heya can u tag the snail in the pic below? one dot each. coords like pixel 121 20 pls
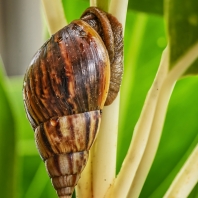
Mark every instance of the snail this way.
pixel 69 80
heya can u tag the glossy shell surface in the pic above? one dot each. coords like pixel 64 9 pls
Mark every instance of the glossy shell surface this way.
pixel 64 90
pixel 111 33
pixel 68 75
pixel 64 146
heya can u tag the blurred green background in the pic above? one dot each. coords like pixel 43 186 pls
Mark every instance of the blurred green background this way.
pixel 22 172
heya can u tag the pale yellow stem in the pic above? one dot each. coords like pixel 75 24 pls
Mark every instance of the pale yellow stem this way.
pixel 84 187
pixel 118 8
pixel 156 129
pixel 93 2
pixel 104 158
pixel 186 179
pixel 105 147
pixel 54 15
pixel 131 162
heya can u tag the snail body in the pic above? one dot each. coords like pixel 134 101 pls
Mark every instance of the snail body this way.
pixel 65 89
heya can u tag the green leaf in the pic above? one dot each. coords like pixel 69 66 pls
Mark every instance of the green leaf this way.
pixel 182 19
pixel 194 193
pixel 7 141
pixel 149 6
pixel 74 9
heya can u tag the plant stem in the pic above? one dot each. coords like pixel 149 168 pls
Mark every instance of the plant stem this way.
pixel 105 147
pixel 54 15
pixel 104 158
pixel 186 179
pixel 153 140
pixel 100 4
pixel 84 186
pixel 156 129
pixel 141 132
pixel 102 164
pixel 118 8
pixel 92 183
pixel 160 190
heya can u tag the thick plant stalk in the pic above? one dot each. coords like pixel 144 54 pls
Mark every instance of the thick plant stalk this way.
pixel 186 179
pixel 93 2
pixel 87 186
pixel 84 186
pixel 131 162
pixel 54 15
pixel 100 3
pixel 105 147
pixel 156 129
pixel 118 8
pixel 103 157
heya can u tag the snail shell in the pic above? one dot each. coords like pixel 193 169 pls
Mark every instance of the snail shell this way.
pixel 111 32
pixel 64 91
pixel 64 144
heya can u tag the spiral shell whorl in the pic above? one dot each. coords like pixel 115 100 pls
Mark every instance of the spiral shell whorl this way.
pixel 110 30
pixel 65 171
pixel 64 147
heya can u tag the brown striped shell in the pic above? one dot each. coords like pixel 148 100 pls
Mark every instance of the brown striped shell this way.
pixel 110 31
pixel 64 91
